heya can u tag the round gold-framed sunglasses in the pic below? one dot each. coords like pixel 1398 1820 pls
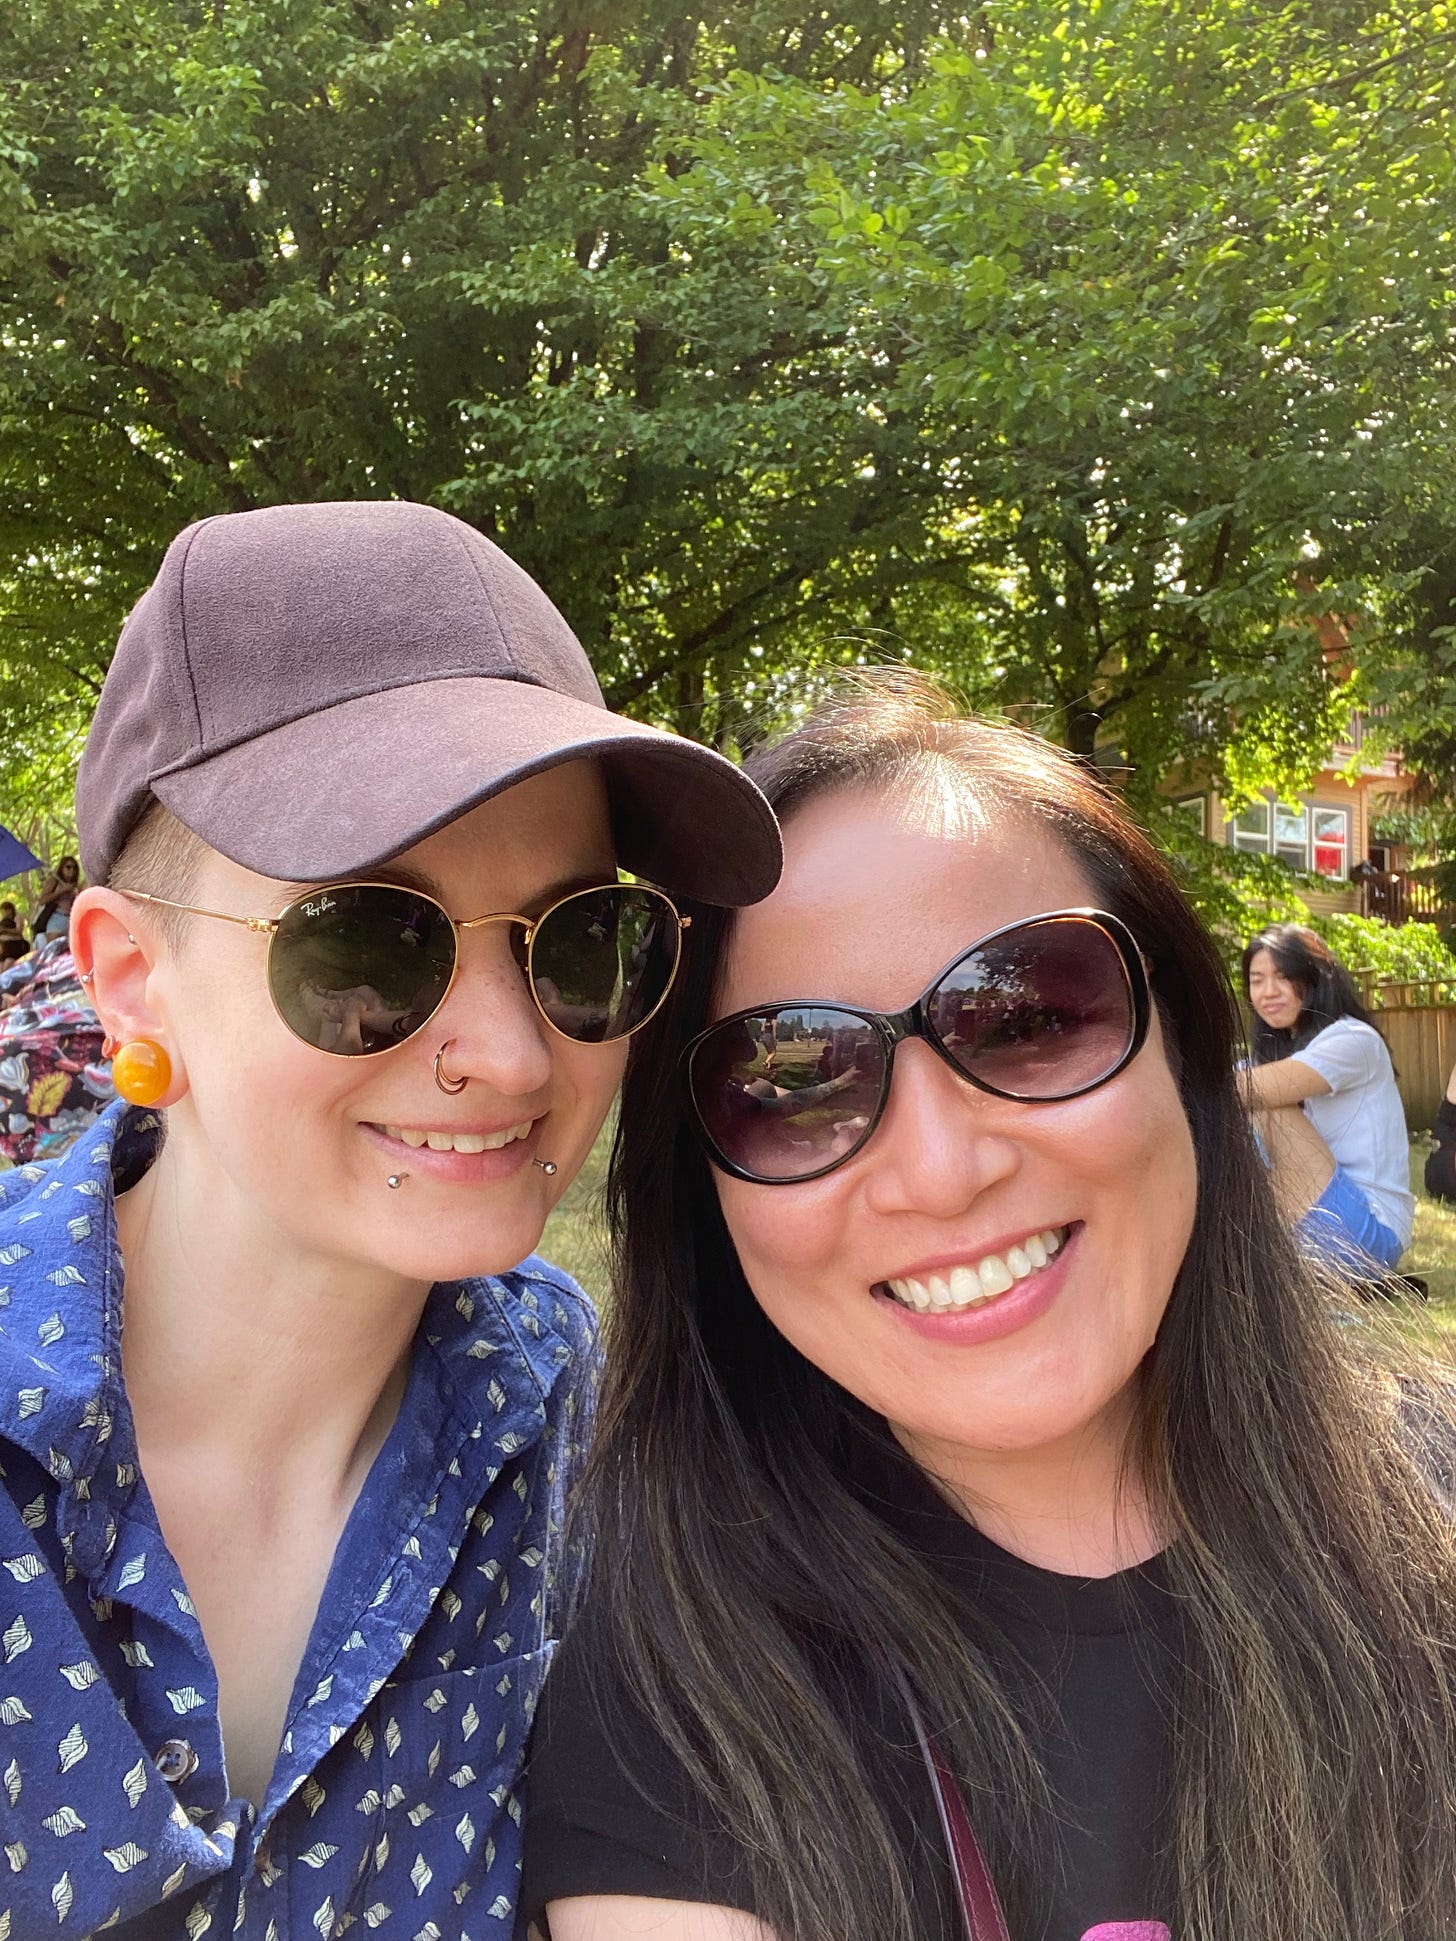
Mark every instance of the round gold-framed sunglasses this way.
pixel 357 968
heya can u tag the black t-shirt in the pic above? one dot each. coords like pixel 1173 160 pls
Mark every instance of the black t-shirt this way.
pixel 1089 1667
pixel 1441 1164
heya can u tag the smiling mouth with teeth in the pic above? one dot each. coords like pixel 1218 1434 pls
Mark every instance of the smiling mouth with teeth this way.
pixel 971 1285
pixel 459 1141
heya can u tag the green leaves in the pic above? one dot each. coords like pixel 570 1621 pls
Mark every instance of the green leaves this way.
pixel 1097 356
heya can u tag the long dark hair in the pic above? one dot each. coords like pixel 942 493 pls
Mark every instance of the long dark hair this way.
pixel 1326 989
pixel 740 1578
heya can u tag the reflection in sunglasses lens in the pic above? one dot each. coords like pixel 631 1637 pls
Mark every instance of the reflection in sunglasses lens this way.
pixel 354 969
pixel 1040 1014
pixel 789 1091
pixel 602 962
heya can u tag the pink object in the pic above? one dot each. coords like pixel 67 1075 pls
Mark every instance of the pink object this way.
pixel 1129 1931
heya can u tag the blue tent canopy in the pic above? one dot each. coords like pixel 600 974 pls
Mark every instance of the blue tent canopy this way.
pixel 15 858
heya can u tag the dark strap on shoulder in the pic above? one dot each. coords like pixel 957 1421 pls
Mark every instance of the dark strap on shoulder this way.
pixel 980 1904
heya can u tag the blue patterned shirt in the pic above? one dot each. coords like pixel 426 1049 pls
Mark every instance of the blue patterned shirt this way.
pixel 391 1807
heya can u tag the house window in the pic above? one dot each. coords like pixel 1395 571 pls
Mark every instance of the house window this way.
pixel 1193 810
pixel 1297 833
pixel 1332 841
pixel 1291 834
pixel 1249 829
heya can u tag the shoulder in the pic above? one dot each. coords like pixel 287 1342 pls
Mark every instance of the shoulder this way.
pixel 1349 1047
pixel 1346 1031
pixel 550 1324
pixel 60 1305
pixel 546 1305
pixel 601 1760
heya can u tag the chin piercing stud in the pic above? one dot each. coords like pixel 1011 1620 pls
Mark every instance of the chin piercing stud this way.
pixel 396 1180
pixel 547 1166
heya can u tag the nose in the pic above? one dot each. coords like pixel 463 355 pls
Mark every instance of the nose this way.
pixel 496 1034
pixel 941 1143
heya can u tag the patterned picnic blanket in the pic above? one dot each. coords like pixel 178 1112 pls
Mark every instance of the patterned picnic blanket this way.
pixel 53 1078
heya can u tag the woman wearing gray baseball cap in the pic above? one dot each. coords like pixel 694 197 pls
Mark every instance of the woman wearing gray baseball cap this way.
pixel 283 1555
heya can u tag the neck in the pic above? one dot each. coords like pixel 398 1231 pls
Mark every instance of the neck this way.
pixel 241 1346
pixel 1078 1505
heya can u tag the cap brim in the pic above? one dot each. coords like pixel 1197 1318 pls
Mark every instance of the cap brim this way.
pixel 346 789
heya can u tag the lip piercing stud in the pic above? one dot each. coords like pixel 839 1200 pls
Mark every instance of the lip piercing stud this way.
pixel 546 1165
pixel 396 1179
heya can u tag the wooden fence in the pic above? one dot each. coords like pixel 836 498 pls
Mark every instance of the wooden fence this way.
pixel 1418 1022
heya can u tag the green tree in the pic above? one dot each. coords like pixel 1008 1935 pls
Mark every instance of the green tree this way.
pixel 1081 350
pixel 304 249
pixel 1168 290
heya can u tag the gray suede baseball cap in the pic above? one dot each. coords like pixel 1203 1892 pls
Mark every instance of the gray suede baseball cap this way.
pixel 314 688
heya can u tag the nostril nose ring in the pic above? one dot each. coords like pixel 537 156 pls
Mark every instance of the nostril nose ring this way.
pixel 450 1085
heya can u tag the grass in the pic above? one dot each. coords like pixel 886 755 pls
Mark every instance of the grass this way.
pixel 1432 1252
pixel 575 1236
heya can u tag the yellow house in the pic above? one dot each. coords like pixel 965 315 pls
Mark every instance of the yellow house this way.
pixel 1326 831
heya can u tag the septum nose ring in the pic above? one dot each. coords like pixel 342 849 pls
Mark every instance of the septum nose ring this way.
pixel 450 1085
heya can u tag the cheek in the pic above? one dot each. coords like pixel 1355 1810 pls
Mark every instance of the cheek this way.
pixel 781 1233
pixel 1157 1168
pixel 261 1095
pixel 587 1079
pixel 230 1034
pixel 793 1245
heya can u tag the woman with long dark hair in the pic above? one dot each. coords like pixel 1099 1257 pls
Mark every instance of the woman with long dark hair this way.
pixel 57 893
pixel 980 1470
pixel 1323 1094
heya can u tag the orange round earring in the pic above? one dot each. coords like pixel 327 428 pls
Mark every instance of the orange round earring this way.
pixel 141 1071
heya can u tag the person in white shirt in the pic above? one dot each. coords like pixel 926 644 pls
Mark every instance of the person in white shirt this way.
pixel 1322 1092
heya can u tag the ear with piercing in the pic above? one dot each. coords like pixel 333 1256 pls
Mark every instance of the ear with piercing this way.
pixel 88 977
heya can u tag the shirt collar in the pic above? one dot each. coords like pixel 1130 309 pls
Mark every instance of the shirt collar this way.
pixel 60 1296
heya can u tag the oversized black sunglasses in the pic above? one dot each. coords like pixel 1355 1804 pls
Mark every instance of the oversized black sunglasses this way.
pixel 356 968
pixel 1042 1010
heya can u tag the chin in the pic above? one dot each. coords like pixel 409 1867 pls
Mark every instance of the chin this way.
pixel 430 1255
pixel 468 1262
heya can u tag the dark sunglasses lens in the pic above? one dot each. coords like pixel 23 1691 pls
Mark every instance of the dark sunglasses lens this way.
pixel 602 961
pixel 790 1091
pixel 1043 1013
pixel 357 967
